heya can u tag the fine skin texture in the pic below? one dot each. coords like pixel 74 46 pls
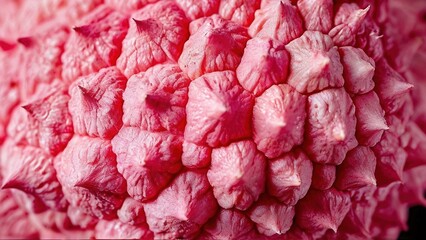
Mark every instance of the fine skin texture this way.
pixel 211 119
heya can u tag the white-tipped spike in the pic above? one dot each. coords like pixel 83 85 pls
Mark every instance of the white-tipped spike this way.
pixel 12 181
pixel 358 18
pixel 339 133
pixel 279 123
pixel 399 87
pixel 276 230
pixel 363 12
pixel 218 108
pixel 371 181
pixel 182 216
pixel 294 181
pixel 332 226
pixel 378 123
pixel 321 61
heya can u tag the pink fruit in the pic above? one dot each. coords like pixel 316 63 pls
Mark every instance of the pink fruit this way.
pixel 211 119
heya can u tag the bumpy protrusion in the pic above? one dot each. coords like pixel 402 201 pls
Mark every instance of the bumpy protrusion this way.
pixel 51 121
pixel 322 210
pixel 289 177
pixel 317 15
pixel 82 56
pixel 272 217
pixel 195 156
pixel 347 22
pixel 278 120
pixel 223 42
pixel 358 70
pixel 391 87
pixel 357 170
pixel 229 224
pixel 315 63
pixel 89 176
pixel 30 170
pixel 237 175
pixel 182 208
pixel 156 34
pixel 331 126
pixel 146 160
pixel 371 122
pixel 278 20
pixel 263 64
pixel 239 11
pixel 219 110
pixel 96 103
pixel 155 100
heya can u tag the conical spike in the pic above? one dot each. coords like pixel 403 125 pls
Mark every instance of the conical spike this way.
pixel 10 183
pixel 86 30
pixel 399 87
pixel 339 131
pixel 83 90
pixel 26 41
pixel 371 180
pixel 29 108
pixel 4 45
pixel 378 123
pixel 295 181
pixel 142 25
pixel 16 180
pixel 150 27
pixel 332 226
pixel 358 18
pixel 88 97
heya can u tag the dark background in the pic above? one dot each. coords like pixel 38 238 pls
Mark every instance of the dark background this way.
pixel 416 224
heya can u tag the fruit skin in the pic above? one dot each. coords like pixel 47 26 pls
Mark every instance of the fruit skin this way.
pixel 211 119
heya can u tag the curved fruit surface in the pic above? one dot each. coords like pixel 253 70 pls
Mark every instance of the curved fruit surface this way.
pixel 211 119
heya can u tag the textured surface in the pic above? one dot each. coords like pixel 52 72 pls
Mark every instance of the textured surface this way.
pixel 211 119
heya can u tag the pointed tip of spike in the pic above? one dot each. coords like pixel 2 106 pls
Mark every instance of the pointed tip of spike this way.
pixel 276 229
pixel 86 184
pixel 333 227
pixel 218 108
pixel 325 62
pixel 279 123
pixel 295 181
pixel 83 90
pixel 400 87
pixel 358 18
pixel 150 26
pixel 85 30
pixel 81 185
pixel 322 62
pixel 6 185
pixel 140 24
pixel 362 13
pixel 89 98
pixel 339 133
pixel 29 108
pixel 378 123
pixel 182 216
pixel 87 93
pixel 371 180
pixel 136 21
pixel 26 41
pixel 365 10
pixel 5 45
pixel 10 183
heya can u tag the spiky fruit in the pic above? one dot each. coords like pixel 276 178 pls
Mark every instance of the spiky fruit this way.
pixel 211 119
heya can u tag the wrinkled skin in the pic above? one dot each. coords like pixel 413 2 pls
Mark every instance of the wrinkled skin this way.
pixel 211 119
